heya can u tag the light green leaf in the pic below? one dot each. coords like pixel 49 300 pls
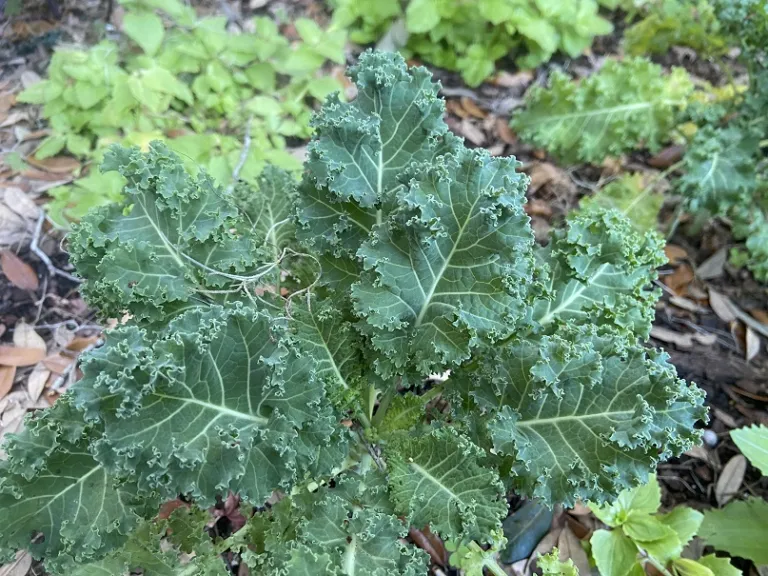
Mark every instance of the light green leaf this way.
pixel 422 16
pixel 645 528
pixel 688 567
pixel 634 197
pixel 436 479
pixel 40 92
pixel 551 565
pixel 146 29
pixel 614 553
pixel 753 443
pixel 624 105
pixel 51 146
pixel 644 499
pixel 78 145
pixel 719 566
pixel 741 529
pixel 685 522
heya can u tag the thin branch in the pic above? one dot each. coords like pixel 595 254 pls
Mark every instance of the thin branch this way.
pixel 35 247
pixel 243 156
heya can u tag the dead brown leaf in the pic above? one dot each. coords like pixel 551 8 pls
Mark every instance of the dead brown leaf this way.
pixel 730 479
pixel 58 363
pixel 666 157
pixel 6 101
pixel 682 341
pixel 455 108
pixel 18 356
pixel 675 253
pixel 7 374
pixel 679 279
pixel 19 566
pixel 542 173
pixel 752 344
pixel 25 336
pixel 504 132
pixel 760 315
pixel 79 343
pixel 57 164
pixel 724 417
pixel 713 266
pixel 472 108
pixel 18 202
pixel 18 272
pixel 36 382
pixel 519 80
pixel 685 304
pixel 721 306
pixel 537 207
pixel 569 546
pixel 471 132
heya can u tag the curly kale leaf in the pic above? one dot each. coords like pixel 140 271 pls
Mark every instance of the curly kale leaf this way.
pixel 171 239
pixel 361 148
pixel 65 505
pixel 437 481
pixel 582 416
pixel 348 529
pixel 217 402
pixel 449 267
pixel 597 271
pixel 623 106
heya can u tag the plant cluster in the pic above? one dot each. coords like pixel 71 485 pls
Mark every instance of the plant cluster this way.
pixel 192 83
pixel 469 36
pixel 624 105
pixel 278 344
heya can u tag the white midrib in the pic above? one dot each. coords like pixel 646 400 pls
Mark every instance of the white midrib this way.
pixel 603 111
pixel 556 419
pixel 549 316
pixel 350 556
pixel 169 248
pixel 217 408
pixel 434 480
pixel 55 497
pixel 330 356
pixel 446 263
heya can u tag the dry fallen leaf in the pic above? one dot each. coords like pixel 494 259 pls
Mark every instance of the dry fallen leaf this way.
pixel 679 279
pixel 721 306
pixel 18 356
pixel 752 344
pixel 471 132
pixel 473 109
pixel 18 272
pixel 675 253
pixel 682 341
pixel 58 363
pixel 18 201
pixel 570 547
pixel 730 479
pixel 685 304
pixel 7 374
pixel 24 336
pixel 712 267
pixel 19 566
pixel 36 382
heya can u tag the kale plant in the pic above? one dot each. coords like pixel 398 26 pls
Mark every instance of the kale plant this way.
pixel 279 342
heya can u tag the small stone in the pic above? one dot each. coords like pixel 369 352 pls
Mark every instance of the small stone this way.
pixel 710 438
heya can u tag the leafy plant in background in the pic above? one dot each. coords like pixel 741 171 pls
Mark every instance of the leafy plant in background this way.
pixel 668 23
pixel 625 105
pixel 724 164
pixel 741 527
pixel 470 36
pixel 267 356
pixel 639 535
pixel 633 195
pixel 193 83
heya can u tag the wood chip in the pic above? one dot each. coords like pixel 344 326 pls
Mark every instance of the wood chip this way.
pixel 18 272
pixel 7 375
pixel 569 546
pixel 721 306
pixel 752 344
pixel 730 479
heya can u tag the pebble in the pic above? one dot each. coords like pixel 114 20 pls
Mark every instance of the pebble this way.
pixel 710 438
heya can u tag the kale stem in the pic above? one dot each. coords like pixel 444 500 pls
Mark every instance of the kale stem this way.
pixel 384 404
